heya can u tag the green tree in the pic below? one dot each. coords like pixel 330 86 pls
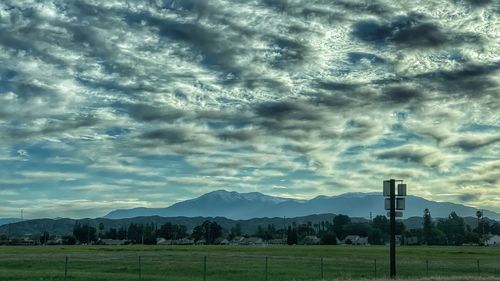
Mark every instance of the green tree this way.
pixel 428 227
pixel 122 233
pixel 101 229
pixel 112 233
pixel 358 228
pixel 135 232
pixel 339 221
pixel 44 238
pixel 209 230
pixel 292 236
pixel 84 234
pixel 375 236
pixel 328 238
pixel 235 231
pixel 382 223
pixel 454 229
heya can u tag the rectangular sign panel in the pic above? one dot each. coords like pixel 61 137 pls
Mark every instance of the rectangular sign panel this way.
pixel 387 204
pixel 398 214
pixel 387 188
pixel 402 189
pixel 400 203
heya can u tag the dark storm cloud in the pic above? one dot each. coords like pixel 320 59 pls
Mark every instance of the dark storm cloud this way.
pixel 412 31
pixel 238 135
pixel 401 95
pixel 423 155
pixel 467 197
pixel 174 135
pixel 475 142
pixel 147 113
pixel 356 57
pixel 52 127
pixel 474 3
pixel 289 110
pixel 472 80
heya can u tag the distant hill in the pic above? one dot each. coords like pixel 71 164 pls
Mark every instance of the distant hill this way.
pixel 236 205
pixel 65 226
pixel 8 220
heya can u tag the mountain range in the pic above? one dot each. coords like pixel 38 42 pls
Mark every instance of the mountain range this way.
pixel 8 220
pixel 241 206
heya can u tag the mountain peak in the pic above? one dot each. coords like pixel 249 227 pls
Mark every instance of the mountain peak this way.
pixel 235 205
pixel 236 196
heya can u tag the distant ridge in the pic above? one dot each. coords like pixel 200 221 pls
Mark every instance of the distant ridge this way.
pixel 8 220
pixel 234 205
pixel 64 226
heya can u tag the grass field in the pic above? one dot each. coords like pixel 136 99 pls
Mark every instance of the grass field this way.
pixel 244 262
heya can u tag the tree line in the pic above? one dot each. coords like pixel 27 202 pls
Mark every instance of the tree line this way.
pixel 443 231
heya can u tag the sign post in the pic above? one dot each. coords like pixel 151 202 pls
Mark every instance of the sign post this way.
pixel 393 203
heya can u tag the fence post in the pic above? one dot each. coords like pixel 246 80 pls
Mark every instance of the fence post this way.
pixel 427 267
pixel 375 265
pixel 478 271
pixel 265 271
pixel 66 269
pixel 322 276
pixel 204 268
pixel 140 269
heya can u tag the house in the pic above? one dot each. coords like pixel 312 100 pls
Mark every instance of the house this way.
pixel 55 241
pixel 247 241
pixel 252 241
pixel 311 240
pixel 114 242
pixel 355 240
pixel 276 242
pixel 350 239
pixel 237 240
pixel 222 242
pixel 200 242
pixel 493 240
pixel 27 241
pixel 412 240
pixel 163 241
pixel 361 241
pixel 183 241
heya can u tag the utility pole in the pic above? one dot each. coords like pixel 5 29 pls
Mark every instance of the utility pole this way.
pixel 393 203
pixel 392 199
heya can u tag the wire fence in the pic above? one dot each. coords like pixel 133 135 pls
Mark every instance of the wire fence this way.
pixel 216 267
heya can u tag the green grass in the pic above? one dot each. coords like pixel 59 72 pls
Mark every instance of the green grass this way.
pixel 242 263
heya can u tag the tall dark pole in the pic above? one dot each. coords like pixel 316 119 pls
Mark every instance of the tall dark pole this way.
pixel 392 199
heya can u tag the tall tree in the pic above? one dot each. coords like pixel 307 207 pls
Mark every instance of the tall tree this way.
pixel 454 229
pixel 339 221
pixel 428 227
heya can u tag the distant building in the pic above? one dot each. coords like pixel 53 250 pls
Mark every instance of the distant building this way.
pixel 247 241
pixel 200 242
pixel 412 240
pixel 222 241
pixel 311 240
pixel 55 241
pixel 183 241
pixel 115 242
pixel 355 240
pixel 276 242
pixel 493 240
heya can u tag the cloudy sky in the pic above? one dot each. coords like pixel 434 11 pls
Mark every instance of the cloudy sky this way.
pixel 120 104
